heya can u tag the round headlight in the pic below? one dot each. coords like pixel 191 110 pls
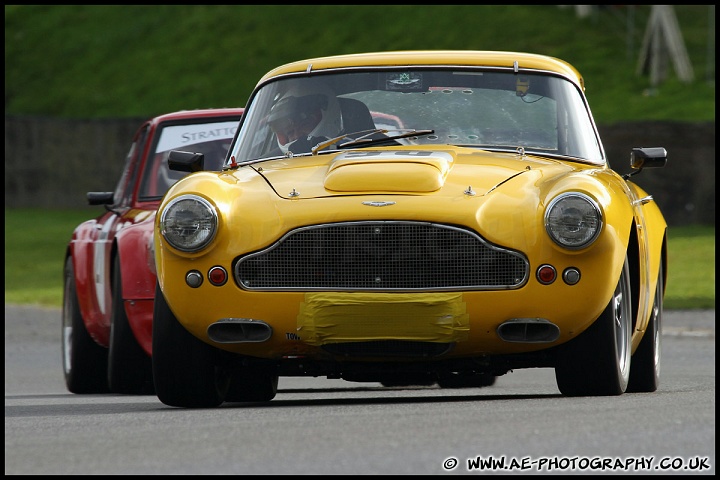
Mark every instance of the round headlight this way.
pixel 573 220
pixel 189 223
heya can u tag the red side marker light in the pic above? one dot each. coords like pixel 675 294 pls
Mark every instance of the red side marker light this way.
pixel 546 274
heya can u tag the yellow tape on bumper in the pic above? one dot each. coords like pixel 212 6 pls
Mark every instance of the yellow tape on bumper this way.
pixel 354 317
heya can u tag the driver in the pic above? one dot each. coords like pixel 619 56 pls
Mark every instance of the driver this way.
pixel 305 115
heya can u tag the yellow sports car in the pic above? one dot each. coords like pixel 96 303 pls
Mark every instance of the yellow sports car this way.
pixel 479 231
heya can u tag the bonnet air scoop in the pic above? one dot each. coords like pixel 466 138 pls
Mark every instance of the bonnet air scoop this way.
pixel 390 171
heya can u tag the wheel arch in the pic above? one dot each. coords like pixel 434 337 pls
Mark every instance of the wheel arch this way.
pixel 664 260
pixel 634 260
pixel 132 250
pixel 133 246
pixel 633 253
pixel 136 303
pixel 80 257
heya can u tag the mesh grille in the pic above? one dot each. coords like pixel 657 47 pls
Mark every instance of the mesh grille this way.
pixel 382 256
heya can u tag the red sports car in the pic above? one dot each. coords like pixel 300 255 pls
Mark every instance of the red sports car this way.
pixel 109 278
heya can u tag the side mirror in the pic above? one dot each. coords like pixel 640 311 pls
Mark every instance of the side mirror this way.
pixel 650 157
pixel 100 198
pixel 186 161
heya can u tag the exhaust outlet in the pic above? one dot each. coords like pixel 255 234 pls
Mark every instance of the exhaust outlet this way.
pixel 528 330
pixel 239 330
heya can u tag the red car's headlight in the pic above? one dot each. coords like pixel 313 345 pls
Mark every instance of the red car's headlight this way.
pixel 189 223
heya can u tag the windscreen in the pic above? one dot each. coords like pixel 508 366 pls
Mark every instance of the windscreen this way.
pixel 497 110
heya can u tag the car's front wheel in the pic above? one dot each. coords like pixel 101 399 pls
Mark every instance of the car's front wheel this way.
pixel 129 367
pixel 253 384
pixel 597 362
pixel 84 361
pixel 186 371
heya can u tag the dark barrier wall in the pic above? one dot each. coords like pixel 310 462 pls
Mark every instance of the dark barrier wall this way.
pixel 53 163
pixel 685 188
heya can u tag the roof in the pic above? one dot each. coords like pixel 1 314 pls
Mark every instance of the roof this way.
pixel 199 113
pixel 528 61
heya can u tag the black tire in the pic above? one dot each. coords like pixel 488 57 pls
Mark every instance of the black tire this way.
pixel 129 367
pixel 252 384
pixel 84 361
pixel 461 380
pixel 597 362
pixel 186 371
pixel 645 371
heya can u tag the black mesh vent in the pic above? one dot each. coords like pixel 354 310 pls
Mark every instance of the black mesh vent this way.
pixel 382 256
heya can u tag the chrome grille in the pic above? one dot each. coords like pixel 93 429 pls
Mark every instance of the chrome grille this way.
pixel 382 256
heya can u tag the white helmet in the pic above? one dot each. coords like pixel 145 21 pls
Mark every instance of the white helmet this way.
pixel 305 96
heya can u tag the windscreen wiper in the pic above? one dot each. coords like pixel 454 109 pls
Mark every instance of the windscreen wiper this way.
pixel 364 139
pixel 362 134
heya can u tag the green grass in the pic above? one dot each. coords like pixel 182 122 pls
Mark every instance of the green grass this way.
pixel 93 61
pixel 691 268
pixel 35 242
